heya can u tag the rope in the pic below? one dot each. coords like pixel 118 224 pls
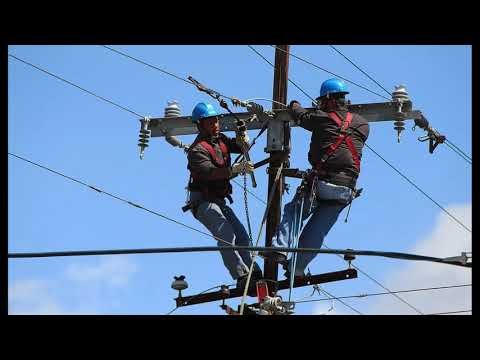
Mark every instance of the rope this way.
pixel 78 87
pixel 298 226
pixel 270 197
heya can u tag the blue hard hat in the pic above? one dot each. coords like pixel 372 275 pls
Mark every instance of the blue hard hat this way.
pixel 202 110
pixel 333 86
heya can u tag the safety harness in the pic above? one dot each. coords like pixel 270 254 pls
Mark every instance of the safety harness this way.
pixel 212 189
pixel 344 135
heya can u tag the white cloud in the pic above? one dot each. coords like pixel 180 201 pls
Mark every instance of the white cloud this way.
pixel 447 238
pixel 32 297
pixel 112 271
pixel 37 297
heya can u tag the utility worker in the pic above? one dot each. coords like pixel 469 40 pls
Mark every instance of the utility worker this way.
pixel 338 137
pixel 210 171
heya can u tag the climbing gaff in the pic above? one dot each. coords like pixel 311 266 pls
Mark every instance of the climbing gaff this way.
pixel 240 124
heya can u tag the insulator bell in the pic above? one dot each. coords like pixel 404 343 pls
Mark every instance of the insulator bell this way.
pixel 179 283
pixel 172 109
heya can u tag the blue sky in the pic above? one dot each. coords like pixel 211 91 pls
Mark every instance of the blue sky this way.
pixel 67 130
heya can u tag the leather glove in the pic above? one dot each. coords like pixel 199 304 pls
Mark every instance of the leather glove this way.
pixel 293 104
pixel 242 167
pixel 254 108
pixel 242 139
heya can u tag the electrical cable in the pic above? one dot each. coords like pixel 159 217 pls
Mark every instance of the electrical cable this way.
pixel 351 62
pixel 291 81
pixel 79 87
pixel 119 198
pixel 318 67
pixel 156 68
pixel 459 152
pixel 451 312
pixel 387 293
pixel 419 189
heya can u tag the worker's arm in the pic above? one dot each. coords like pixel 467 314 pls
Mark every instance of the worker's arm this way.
pixel 304 118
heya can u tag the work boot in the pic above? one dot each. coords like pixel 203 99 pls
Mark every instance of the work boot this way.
pixel 252 287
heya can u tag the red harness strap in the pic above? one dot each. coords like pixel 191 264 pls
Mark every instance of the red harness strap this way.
pixel 343 137
pixel 220 162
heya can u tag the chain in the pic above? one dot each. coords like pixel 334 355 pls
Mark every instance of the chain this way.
pixel 246 207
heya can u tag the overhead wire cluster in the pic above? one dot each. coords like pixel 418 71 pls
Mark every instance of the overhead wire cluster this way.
pixel 451 145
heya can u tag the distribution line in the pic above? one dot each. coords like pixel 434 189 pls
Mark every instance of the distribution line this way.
pixel 119 198
pixel 341 77
pixel 419 189
pixel 343 302
pixel 387 293
pixel 298 87
pixel 406 178
pixel 351 62
pixel 383 286
pixel 78 87
pixel 451 312
pixel 156 68
pixel 448 143
pixel 458 152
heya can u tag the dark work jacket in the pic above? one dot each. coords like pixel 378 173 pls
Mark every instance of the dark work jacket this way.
pixel 340 166
pixel 202 164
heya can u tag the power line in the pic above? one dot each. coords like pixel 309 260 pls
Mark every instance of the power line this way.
pixel 451 312
pixel 394 255
pixel 145 63
pixel 75 85
pixel 341 77
pixel 419 189
pixel 351 62
pixel 251 193
pixel 156 68
pixel 119 198
pixel 459 152
pixel 383 286
pixel 393 167
pixel 293 83
pixel 343 302
pixel 387 293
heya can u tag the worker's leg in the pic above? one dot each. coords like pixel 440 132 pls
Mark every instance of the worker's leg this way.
pixel 288 227
pixel 314 232
pixel 242 238
pixel 331 200
pixel 212 217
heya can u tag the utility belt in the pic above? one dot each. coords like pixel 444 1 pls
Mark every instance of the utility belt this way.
pixel 208 194
pixel 342 178
pixel 310 185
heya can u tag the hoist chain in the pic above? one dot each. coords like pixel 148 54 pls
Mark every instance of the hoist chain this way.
pixel 245 198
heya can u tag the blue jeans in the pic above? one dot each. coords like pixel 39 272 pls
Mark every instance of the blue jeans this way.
pixel 222 222
pixel 323 214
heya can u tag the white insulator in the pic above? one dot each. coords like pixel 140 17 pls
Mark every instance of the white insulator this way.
pixel 173 109
pixel 400 93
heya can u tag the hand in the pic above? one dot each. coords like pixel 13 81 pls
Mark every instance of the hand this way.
pixel 242 139
pixel 242 167
pixel 254 108
pixel 293 104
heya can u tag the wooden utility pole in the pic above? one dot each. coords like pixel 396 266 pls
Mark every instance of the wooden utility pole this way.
pixel 280 82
